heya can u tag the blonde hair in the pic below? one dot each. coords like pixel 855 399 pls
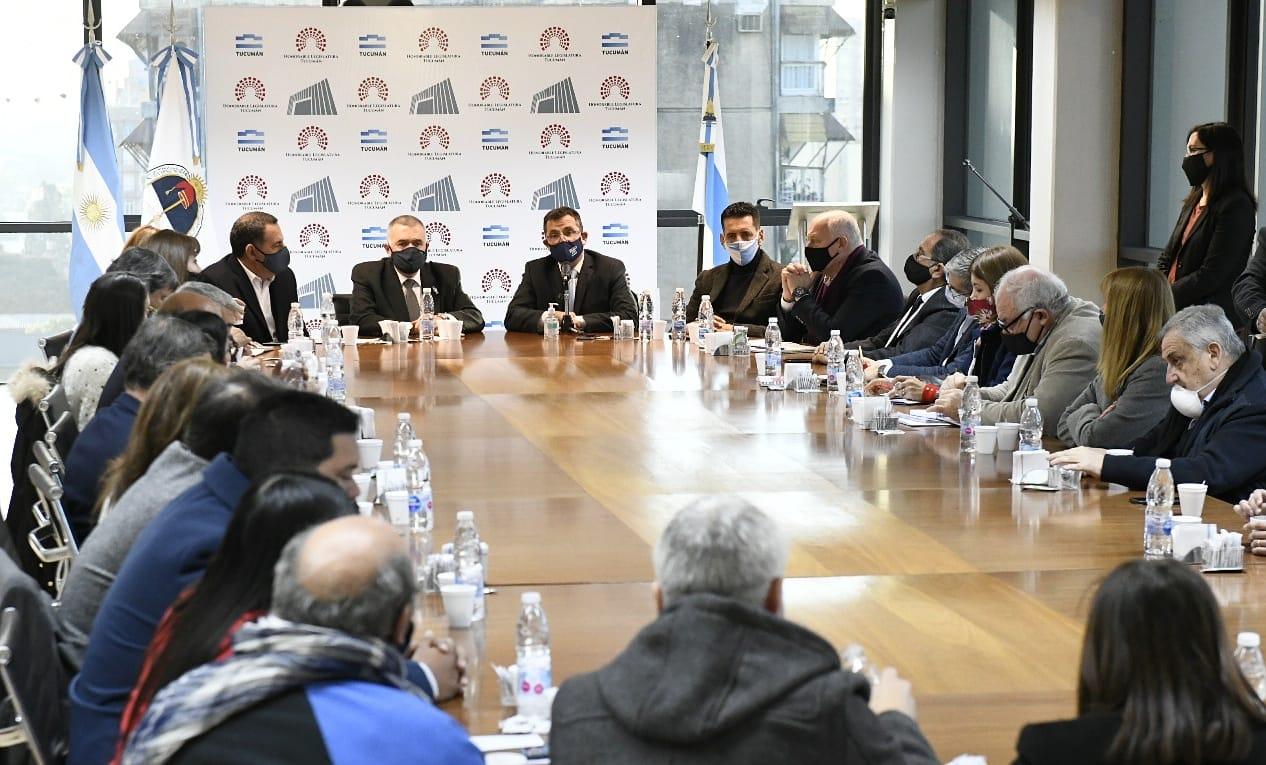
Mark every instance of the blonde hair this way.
pixel 161 419
pixel 140 236
pixel 1139 303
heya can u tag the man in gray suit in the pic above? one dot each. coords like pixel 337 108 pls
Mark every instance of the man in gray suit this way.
pixel 743 291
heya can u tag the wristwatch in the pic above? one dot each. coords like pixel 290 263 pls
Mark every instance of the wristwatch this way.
pixel 799 293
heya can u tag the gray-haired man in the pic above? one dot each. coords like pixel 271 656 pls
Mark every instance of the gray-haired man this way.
pixel 721 677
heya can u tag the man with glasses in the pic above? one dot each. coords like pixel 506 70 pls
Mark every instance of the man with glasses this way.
pixel 587 288
pixel 1056 338
pixel 257 272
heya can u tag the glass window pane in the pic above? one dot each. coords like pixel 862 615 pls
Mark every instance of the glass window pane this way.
pixel 991 92
pixel 1188 88
pixel 42 307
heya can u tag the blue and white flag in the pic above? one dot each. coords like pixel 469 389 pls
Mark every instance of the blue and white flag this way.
pixel 96 224
pixel 711 196
pixel 175 194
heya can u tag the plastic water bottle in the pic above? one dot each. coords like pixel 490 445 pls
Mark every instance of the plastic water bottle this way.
pixel 327 307
pixel 535 675
pixel 336 379
pixel 854 377
pixel 417 481
pixel 294 322
pixel 679 314
pixel 426 327
pixel 404 434
pixel 470 559
pixel 834 361
pixel 739 347
pixel 705 317
pixel 1158 519
pixel 646 316
pixel 550 323
pixel 1030 427
pixel 1248 655
pixel 969 416
pixel 773 348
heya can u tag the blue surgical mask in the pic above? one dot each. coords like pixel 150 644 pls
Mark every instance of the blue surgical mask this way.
pixel 742 253
pixel 566 252
pixel 956 298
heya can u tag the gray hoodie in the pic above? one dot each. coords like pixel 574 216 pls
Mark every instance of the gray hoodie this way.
pixel 175 470
pixel 715 681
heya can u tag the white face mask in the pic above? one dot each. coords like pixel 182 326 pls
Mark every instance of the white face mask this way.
pixel 957 299
pixel 742 253
pixel 1189 403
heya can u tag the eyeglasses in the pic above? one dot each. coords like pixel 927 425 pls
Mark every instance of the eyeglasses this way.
pixel 1006 328
pixel 567 234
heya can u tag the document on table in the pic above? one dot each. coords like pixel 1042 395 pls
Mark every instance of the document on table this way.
pixel 922 418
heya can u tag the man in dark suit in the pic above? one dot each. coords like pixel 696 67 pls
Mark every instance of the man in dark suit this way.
pixel 390 289
pixel 745 290
pixel 844 286
pixel 931 308
pixel 257 272
pixel 586 287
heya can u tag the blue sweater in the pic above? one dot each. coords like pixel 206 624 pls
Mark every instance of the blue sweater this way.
pixel 104 438
pixel 169 555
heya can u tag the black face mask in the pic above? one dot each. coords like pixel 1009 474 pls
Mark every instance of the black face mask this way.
pixel 409 260
pixel 916 272
pixel 1019 343
pixel 819 257
pixel 1195 169
pixel 278 261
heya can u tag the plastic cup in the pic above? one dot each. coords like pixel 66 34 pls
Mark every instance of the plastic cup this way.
pixel 459 604
pixel 1191 498
pixel 692 331
pixel 398 507
pixel 403 330
pixel 350 333
pixel 1008 436
pixel 446 577
pixel 986 439
pixel 363 482
pixel 626 329
pixel 450 329
pixel 658 328
pixel 370 450
pixel 366 508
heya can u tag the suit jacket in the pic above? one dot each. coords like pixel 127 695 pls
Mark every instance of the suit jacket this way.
pixel 936 316
pixel 862 300
pixel 229 275
pixel 1249 290
pixel 1086 740
pixel 601 293
pixel 1225 446
pixel 758 304
pixel 949 354
pixel 377 295
pixel 1214 257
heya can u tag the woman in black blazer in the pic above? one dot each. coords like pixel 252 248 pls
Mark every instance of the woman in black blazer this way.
pixel 1159 683
pixel 1214 233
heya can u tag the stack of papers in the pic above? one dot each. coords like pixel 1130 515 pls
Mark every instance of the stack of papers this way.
pixel 922 418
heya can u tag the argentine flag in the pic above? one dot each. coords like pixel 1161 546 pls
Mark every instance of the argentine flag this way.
pixel 96 224
pixel 711 196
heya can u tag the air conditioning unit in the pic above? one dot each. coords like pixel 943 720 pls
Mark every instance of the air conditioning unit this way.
pixel 749 22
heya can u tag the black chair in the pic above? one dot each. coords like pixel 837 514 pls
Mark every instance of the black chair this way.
pixel 343 308
pixel 53 345
pixel 51 540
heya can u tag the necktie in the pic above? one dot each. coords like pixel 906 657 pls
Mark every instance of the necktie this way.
pixel 411 299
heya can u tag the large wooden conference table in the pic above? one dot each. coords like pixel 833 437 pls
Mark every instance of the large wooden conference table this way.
pixel 574 455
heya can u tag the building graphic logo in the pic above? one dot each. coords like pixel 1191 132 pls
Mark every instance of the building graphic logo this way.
pixel 559 193
pixel 311 292
pixel 555 134
pixel 314 232
pixel 252 184
pixel 437 99
pixel 496 279
pixel 248 44
pixel 433 36
pixel 559 98
pixel 438 232
pixel 556 38
pixel 316 99
pixel 614 182
pixel 317 197
pixel 310 135
pixel 250 140
pixel 250 86
pixel 310 36
pixel 440 196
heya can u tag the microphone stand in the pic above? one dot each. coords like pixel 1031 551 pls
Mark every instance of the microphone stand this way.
pixel 1015 217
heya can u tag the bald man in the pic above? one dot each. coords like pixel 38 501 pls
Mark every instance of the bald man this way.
pixel 334 686
pixel 844 286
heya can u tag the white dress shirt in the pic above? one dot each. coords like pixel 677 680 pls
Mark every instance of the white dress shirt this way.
pixel 908 319
pixel 262 294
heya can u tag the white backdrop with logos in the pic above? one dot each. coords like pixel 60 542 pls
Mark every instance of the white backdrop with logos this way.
pixel 475 120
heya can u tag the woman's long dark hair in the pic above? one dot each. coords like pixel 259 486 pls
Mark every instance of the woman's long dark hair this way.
pixel 239 578
pixel 1227 174
pixel 113 310
pixel 1156 654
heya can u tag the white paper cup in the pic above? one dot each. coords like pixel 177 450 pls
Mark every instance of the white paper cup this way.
pixel 363 482
pixel 657 329
pixel 692 331
pixel 304 344
pixel 366 508
pixel 459 604
pixel 446 577
pixel 986 438
pixel 450 329
pixel 398 507
pixel 1008 436
pixel 403 330
pixel 350 333
pixel 1191 498
pixel 370 450
pixel 793 370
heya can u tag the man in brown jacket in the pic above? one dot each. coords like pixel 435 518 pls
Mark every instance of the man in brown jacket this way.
pixel 743 291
